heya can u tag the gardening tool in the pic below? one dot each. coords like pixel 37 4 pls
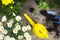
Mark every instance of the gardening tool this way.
pixel 58 17
pixel 54 14
pixel 38 29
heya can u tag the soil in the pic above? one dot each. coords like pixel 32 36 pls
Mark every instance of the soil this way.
pixel 41 19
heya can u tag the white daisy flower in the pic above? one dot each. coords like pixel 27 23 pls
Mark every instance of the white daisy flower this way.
pixel 11 21
pixel 24 28
pixel 18 26
pixel 14 14
pixel 26 34
pixel 20 37
pixel 9 25
pixel 12 38
pixel 7 37
pixel 28 27
pixel 18 18
pixel 4 19
pixel 1 36
pixel 28 38
pixel 15 31
pixel 5 31
pixel 1 23
pixel 1 28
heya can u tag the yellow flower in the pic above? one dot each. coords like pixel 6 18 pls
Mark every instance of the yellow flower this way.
pixel 11 7
pixel 7 2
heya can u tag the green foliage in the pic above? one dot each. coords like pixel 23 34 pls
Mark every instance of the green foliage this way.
pixel 7 14
pixel 17 8
pixel 38 1
pixel 54 3
pixel 14 24
pixel 43 5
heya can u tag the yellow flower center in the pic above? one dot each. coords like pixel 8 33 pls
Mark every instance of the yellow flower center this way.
pixel 24 28
pixel 15 30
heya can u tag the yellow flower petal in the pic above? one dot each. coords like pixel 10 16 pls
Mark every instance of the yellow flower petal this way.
pixel 7 2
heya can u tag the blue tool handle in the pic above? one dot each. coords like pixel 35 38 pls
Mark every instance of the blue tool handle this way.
pixel 58 22
pixel 57 17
